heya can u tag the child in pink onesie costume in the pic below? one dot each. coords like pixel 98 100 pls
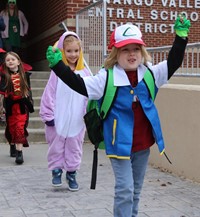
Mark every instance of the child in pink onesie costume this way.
pixel 62 111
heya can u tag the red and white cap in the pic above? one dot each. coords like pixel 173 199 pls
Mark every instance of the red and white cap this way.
pixel 125 34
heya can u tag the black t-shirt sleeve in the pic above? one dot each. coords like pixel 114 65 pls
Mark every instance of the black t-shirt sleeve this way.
pixel 73 80
pixel 176 55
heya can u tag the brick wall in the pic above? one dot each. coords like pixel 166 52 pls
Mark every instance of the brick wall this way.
pixel 142 14
pixel 49 13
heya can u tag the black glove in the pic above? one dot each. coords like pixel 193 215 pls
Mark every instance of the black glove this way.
pixel 50 123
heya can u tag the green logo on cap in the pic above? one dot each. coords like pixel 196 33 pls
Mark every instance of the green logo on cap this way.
pixel 130 33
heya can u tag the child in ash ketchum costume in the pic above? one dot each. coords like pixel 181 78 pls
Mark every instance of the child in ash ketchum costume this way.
pixel 62 110
pixel 132 125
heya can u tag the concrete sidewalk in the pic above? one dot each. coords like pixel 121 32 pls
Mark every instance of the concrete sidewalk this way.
pixel 26 191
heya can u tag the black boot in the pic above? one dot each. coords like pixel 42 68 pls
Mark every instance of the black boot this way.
pixel 12 150
pixel 19 157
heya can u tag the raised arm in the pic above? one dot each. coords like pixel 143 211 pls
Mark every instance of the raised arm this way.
pixel 176 54
pixel 64 72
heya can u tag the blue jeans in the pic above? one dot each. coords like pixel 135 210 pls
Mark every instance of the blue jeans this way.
pixel 129 177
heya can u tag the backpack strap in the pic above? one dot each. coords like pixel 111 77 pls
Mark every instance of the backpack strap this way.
pixel 106 103
pixel 150 83
pixel 109 94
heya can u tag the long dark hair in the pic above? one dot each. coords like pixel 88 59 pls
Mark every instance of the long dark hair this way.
pixel 15 10
pixel 23 82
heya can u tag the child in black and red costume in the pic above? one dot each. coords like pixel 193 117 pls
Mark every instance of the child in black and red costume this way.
pixel 15 86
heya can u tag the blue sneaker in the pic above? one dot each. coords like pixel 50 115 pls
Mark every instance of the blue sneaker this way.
pixel 71 179
pixel 57 174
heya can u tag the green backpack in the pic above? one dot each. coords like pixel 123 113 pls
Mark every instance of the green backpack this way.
pixel 97 112
pixel 94 120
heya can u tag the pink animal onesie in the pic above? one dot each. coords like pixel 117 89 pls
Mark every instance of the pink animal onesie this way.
pixel 65 108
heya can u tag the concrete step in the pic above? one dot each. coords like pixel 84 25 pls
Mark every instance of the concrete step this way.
pixel 40 74
pixel 36 100
pixel 37 91
pixel 35 135
pixel 36 112
pixel 38 82
pixel 35 122
pixel 36 126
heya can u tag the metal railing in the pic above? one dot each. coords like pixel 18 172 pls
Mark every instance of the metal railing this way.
pixel 91 28
pixel 191 62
